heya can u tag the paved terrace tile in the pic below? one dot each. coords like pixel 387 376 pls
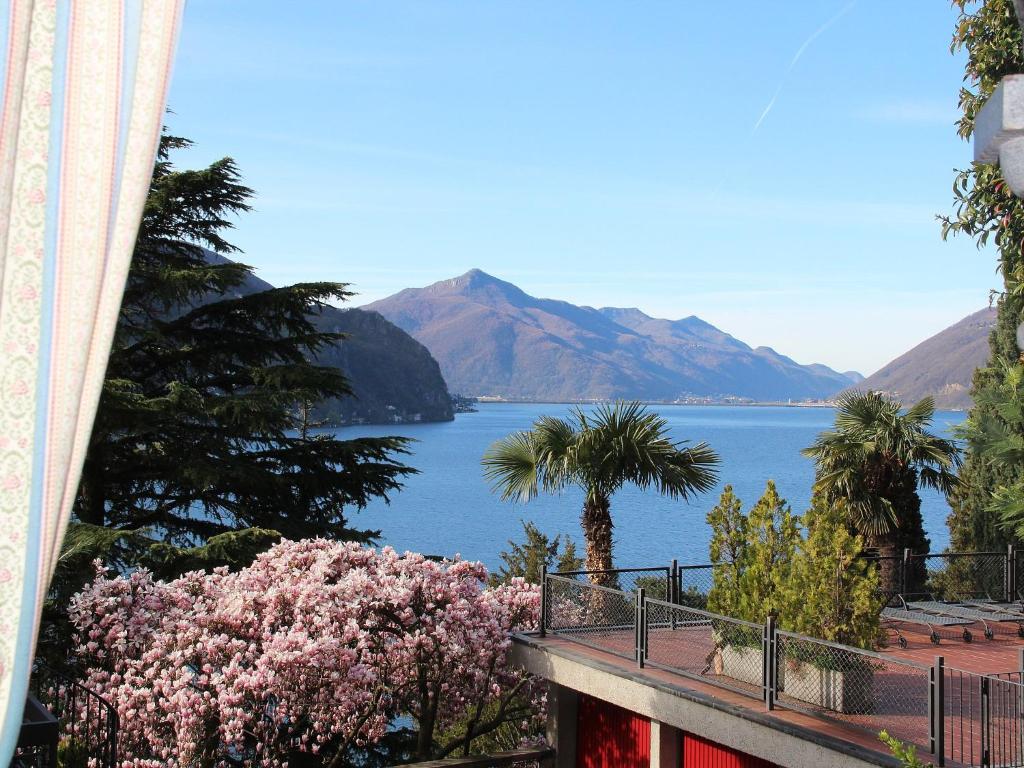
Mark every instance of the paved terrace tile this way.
pixel 1001 654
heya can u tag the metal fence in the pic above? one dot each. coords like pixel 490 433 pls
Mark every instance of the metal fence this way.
pixel 597 616
pixel 982 718
pixel 87 723
pixel 857 687
pixel 716 649
pixel 656 581
pixel 694 583
pixel 956 576
pixel 960 717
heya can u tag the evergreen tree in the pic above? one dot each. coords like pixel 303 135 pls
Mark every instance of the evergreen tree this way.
pixel 831 592
pixel 525 560
pixel 814 583
pixel 200 425
pixel 985 209
pixel 729 536
pixel 752 554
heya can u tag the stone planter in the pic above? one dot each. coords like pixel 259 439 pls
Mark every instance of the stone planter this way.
pixel 849 691
pixel 740 663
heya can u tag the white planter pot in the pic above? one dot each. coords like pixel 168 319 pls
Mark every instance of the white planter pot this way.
pixel 741 663
pixel 849 692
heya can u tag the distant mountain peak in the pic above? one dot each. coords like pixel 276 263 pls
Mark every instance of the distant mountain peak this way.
pixel 625 312
pixel 492 338
pixel 471 281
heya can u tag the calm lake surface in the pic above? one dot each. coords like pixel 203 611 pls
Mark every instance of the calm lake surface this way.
pixel 448 508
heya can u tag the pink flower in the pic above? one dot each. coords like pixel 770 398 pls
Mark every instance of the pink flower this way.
pixel 319 632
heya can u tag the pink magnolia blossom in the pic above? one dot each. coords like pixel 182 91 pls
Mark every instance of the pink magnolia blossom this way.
pixel 316 646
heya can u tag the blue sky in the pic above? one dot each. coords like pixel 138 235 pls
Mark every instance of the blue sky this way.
pixel 606 153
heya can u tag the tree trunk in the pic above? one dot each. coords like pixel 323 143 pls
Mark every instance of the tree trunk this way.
pixel 597 533
pixel 890 567
pixel 92 503
pixel 428 717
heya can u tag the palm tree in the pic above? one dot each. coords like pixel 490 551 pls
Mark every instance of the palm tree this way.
pixel 875 459
pixel 600 453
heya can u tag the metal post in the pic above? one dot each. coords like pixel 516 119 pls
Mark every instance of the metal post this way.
pixel 1020 698
pixel 543 600
pixel 673 591
pixel 641 628
pixel 770 666
pixel 986 722
pixel 937 710
pixel 1011 572
pixel 906 570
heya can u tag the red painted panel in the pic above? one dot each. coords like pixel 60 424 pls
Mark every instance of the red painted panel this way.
pixel 611 737
pixel 701 753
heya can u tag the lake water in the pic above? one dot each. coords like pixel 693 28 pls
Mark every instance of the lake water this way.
pixel 449 508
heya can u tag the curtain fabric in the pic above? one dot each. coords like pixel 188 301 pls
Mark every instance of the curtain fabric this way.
pixel 84 91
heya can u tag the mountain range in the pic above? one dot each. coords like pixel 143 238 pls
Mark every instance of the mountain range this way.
pixel 493 339
pixel 941 366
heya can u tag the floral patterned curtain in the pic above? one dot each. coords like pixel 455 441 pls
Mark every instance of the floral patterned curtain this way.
pixel 84 90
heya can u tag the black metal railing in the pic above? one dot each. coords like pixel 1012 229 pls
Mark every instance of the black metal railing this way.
pixel 982 718
pixel 961 717
pixel 656 580
pixel 38 739
pixel 87 723
pixel 956 576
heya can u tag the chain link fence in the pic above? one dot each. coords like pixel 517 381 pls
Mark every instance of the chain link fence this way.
pixel 655 581
pixel 694 583
pixel 958 576
pixel 966 718
pixel 591 614
pixel 857 687
pixel 722 651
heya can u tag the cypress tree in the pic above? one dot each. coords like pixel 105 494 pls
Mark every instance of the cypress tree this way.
pixel 200 426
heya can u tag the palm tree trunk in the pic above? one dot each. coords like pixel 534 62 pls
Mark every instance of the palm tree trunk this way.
pixel 890 567
pixel 596 521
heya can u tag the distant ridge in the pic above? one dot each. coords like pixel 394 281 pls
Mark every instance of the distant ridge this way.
pixel 941 366
pixel 392 376
pixel 493 339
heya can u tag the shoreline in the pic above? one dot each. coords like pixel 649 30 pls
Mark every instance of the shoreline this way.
pixel 764 404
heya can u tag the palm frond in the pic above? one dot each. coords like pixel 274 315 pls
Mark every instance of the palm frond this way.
pixel 875 439
pixel 513 466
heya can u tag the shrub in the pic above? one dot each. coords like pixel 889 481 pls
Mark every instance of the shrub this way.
pixel 314 648
pixel 812 582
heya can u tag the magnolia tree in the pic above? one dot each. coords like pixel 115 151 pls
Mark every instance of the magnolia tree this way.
pixel 315 648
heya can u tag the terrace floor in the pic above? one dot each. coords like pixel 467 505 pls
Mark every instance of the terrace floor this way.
pixel 999 655
pixel 900 690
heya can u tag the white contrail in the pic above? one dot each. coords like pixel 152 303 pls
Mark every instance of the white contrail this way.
pixel 796 57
